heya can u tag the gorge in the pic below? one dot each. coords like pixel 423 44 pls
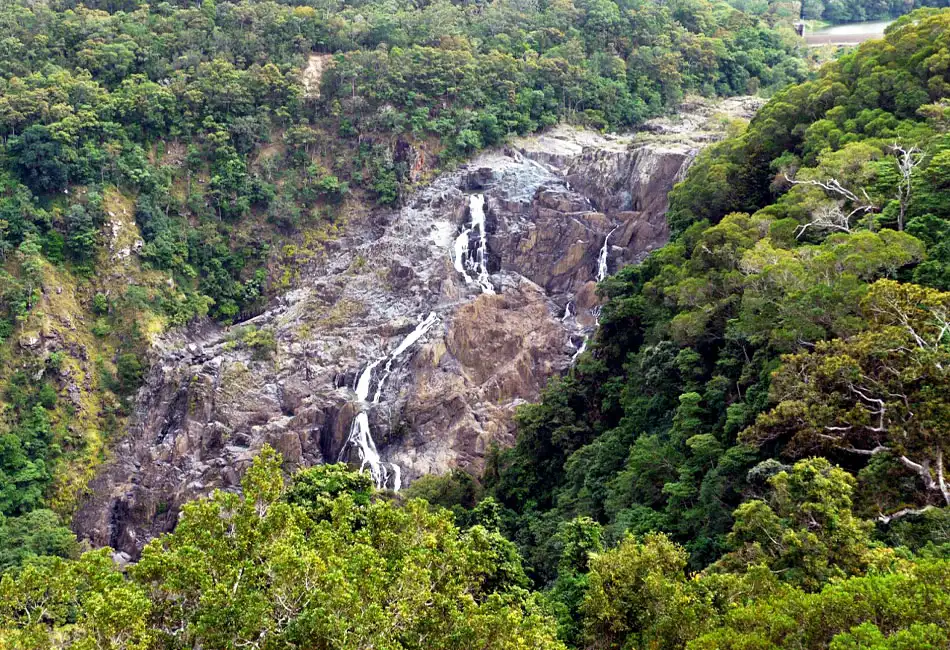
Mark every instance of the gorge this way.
pixel 408 348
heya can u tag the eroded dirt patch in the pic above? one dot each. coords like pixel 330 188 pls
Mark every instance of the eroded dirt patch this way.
pixel 313 73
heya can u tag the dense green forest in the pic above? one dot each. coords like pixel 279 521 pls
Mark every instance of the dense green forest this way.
pixel 323 562
pixel 800 310
pixel 750 455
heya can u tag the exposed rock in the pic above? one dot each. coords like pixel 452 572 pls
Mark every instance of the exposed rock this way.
pixel 30 341
pixel 498 351
pixel 211 400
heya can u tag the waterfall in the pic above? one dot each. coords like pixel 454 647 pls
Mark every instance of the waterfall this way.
pixel 595 312
pixel 407 342
pixel 362 439
pixel 579 350
pixel 602 262
pixel 397 477
pixel 360 435
pixel 602 271
pixel 466 259
pixel 365 379
pixel 568 310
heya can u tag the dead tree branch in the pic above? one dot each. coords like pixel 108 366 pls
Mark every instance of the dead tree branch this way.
pixel 907 159
pixel 833 216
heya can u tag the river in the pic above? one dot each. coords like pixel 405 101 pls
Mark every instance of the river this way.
pixel 847 34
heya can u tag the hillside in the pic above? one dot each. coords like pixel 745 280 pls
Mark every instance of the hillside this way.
pixel 167 164
pixel 682 387
pixel 798 311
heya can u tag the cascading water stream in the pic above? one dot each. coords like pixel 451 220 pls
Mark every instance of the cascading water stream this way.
pixel 568 310
pixel 407 343
pixel 466 259
pixel 602 261
pixel 580 350
pixel 602 271
pixel 360 435
pixel 365 379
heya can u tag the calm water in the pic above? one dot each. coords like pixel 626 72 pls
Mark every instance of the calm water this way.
pixel 849 33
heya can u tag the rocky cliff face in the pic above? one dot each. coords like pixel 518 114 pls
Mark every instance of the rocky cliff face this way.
pixel 388 330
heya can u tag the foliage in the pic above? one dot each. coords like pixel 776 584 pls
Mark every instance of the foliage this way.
pixel 661 425
pixel 904 608
pixel 316 488
pixel 638 596
pixel 36 534
pixel 882 391
pixel 25 448
pixel 799 309
pixel 339 571
pixel 807 532
pixel 155 156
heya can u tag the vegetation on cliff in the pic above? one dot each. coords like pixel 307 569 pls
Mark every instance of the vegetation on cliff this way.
pixel 751 455
pixel 800 311
pixel 160 163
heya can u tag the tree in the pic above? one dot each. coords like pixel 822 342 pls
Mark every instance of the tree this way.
pixel 901 607
pixel 639 597
pixel 316 488
pixel 907 159
pixel 806 532
pixel 881 391
pixel 81 233
pixel 257 569
pixel 35 534
pixel 40 159
pixel 83 604
pixel 317 566
pixel 829 215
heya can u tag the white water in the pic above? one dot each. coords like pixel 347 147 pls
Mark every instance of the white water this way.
pixel 397 477
pixel 407 342
pixel 595 312
pixel 579 351
pixel 461 248
pixel 465 260
pixel 360 435
pixel 602 262
pixel 366 378
pixel 568 310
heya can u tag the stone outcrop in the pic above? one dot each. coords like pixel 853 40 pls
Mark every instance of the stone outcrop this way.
pixel 214 396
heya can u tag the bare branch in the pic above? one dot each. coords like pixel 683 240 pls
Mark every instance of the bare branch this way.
pixel 832 216
pixel 923 470
pixel 907 159
pixel 831 186
pixel 872 400
pixel 867 452
pixel 886 519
